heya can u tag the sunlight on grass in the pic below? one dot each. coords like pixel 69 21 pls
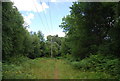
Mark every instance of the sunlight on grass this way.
pixel 44 68
pixel 33 69
pixel 68 72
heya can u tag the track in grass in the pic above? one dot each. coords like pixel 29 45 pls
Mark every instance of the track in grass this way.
pixel 56 71
pixel 49 68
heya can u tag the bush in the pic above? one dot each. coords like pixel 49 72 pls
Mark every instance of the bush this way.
pixel 17 60
pixel 16 68
pixel 83 64
pixel 113 67
pixel 99 63
pixel 59 57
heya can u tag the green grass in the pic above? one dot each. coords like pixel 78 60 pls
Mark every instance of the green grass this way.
pixel 69 72
pixel 48 68
pixel 32 69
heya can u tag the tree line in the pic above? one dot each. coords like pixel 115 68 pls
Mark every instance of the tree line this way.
pixel 92 28
pixel 91 42
pixel 17 41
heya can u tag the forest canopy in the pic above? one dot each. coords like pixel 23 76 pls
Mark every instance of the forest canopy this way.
pixel 91 43
pixel 93 28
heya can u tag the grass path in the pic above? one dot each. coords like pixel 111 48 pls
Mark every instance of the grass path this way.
pixel 56 71
pixel 49 68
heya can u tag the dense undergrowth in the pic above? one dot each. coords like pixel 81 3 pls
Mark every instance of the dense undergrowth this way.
pixel 13 67
pixel 25 68
pixel 98 63
pixel 98 66
pixel 45 68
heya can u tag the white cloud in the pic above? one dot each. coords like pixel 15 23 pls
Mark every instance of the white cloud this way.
pixel 29 29
pixel 53 0
pixel 28 18
pixel 27 26
pixel 30 5
pixel 59 33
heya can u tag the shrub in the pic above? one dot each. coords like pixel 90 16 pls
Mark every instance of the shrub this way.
pixel 99 63
pixel 17 60
pixel 113 67
pixel 59 57
pixel 83 64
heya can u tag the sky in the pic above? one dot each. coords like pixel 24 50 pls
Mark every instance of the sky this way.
pixel 44 15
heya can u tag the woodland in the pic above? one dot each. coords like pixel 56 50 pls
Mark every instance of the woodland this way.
pixel 89 50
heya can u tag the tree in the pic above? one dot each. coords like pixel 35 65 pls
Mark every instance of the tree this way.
pixel 16 38
pixel 53 43
pixel 114 33
pixel 12 31
pixel 64 49
pixel 88 29
pixel 37 45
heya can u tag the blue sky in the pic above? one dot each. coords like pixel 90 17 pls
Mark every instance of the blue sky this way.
pixel 45 18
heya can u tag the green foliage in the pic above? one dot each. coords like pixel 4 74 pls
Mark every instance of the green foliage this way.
pixel 91 28
pixel 89 31
pixel 47 48
pixel 16 70
pixel 64 49
pixel 17 60
pixel 12 30
pixel 53 43
pixel 99 63
pixel 29 69
pixel 59 57
pixel 37 45
pixel 17 41
pixel 36 69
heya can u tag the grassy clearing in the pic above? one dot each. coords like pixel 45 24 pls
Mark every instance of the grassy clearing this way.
pixel 66 71
pixel 41 68
pixel 33 69
pixel 48 68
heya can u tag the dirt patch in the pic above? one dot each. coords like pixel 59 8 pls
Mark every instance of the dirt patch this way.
pixel 56 71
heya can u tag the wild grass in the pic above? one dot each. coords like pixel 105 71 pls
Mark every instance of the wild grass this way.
pixel 40 68
pixel 99 63
pixel 69 72
pixel 46 68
